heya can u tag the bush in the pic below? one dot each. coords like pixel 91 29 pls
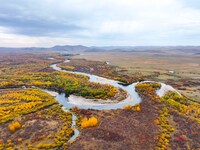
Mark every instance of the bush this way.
pixel 14 126
pixel 91 122
pixel 128 107
pixel 137 107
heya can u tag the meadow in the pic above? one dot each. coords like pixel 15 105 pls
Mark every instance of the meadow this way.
pixel 156 67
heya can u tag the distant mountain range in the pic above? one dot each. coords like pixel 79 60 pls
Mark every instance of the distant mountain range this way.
pixel 81 48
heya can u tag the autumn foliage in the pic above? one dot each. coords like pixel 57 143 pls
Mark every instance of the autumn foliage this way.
pixel 89 122
pixel 19 102
pixel 136 107
pixel 128 107
pixel 182 105
pixel 14 126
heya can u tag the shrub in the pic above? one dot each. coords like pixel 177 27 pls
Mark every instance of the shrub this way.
pixel 11 127
pixel 19 139
pixel 183 138
pixel 137 107
pixel 128 107
pixel 14 126
pixel 91 122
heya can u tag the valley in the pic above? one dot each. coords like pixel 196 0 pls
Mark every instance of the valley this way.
pixel 68 101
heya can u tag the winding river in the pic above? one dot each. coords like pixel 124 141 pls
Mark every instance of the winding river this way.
pixel 78 101
pixel 81 102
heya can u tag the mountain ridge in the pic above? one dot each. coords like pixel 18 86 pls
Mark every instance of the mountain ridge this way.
pixel 82 48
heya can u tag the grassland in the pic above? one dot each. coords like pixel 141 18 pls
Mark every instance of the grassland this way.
pixel 156 67
pixel 163 123
pixel 32 119
pixel 29 117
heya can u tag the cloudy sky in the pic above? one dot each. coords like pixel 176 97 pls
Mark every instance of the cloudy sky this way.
pixel 99 22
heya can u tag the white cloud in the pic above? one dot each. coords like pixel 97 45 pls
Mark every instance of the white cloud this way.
pixel 95 22
pixel 14 40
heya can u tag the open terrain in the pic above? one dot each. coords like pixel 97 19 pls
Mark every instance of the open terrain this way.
pixel 180 70
pixel 32 119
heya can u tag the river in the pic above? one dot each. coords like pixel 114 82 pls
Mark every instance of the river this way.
pixel 81 102
pixel 78 101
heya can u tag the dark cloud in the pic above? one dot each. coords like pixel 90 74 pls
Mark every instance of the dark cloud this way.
pixel 37 27
pixel 26 19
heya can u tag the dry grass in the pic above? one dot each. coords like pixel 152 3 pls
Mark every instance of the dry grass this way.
pixel 187 67
pixel 146 62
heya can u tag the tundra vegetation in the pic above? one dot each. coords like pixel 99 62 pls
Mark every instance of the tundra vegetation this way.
pixel 101 69
pixel 29 117
pixel 18 71
pixel 32 119
pixel 181 71
pixel 178 118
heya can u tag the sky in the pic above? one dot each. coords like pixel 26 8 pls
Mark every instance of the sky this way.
pixel 45 23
